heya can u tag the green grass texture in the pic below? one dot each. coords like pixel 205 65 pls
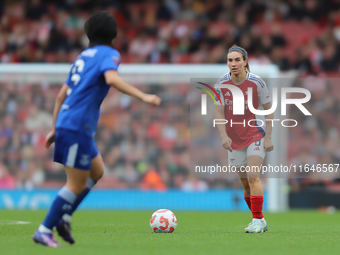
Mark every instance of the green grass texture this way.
pixel 128 232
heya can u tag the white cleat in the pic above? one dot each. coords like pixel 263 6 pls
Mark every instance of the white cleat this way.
pixel 264 225
pixel 254 227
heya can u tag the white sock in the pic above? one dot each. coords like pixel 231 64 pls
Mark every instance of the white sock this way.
pixel 257 220
pixel 67 218
pixel 44 229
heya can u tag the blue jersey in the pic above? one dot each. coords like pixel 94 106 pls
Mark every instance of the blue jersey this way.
pixel 87 89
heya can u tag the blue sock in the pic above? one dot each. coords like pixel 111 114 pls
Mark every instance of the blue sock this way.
pixel 62 203
pixel 80 198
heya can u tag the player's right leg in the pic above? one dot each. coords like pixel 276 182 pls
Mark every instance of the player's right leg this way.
pixel 71 150
pixel 255 157
pixel 246 187
pixel 256 196
pixel 238 159
pixel 76 183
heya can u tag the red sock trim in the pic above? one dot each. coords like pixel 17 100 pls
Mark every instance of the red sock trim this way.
pixel 247 199
pixel 256 206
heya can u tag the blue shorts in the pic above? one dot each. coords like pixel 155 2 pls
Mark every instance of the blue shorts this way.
pixel 74 149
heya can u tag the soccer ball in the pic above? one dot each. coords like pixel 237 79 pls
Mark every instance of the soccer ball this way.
pixel 163 221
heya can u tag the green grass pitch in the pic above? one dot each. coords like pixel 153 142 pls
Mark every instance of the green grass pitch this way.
pixel 128 232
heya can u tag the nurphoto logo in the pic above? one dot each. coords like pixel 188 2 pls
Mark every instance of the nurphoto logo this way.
pixel 238 103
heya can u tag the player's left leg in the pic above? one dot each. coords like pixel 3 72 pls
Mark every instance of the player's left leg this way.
pixel 96 173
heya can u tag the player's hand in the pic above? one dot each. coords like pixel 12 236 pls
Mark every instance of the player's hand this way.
pixel 152 99
pixel 226 142
pixel 50 138
pixel 268 144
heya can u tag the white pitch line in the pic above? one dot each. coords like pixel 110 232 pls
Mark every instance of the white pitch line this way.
pixel 14 222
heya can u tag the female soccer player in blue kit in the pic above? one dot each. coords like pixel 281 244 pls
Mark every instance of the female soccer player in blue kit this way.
pixel 75 118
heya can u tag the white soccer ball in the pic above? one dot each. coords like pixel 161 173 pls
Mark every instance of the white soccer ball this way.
pixel 163 221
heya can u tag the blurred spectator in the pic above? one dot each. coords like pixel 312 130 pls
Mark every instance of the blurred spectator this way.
pixel 193 184
pixel 152 180
pixel 279 59
pixel 35 10
pixel 7 181
pixel 330 59
pixel 37 119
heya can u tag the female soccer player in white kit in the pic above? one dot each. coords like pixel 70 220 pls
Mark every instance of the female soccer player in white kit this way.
pixel 245 141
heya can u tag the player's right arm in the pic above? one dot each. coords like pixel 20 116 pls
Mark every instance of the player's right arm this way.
pixel 226 141
pixel 219 114
pixel 113 79
pixel 58 103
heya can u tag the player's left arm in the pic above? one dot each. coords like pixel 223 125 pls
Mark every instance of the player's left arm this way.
pixel 113 79
pixel 265 100
pixel 109 67
pixel 58 103
pixel 268 144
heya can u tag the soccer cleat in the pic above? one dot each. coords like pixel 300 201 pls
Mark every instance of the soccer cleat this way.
pixel 64 230
pixel 45 239
pixel 254 227
pixel 264 225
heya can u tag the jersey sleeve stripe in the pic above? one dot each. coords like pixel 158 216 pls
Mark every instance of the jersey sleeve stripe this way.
pixel 255 77
pixel 260 129
pixel 223 78
pixel 258 80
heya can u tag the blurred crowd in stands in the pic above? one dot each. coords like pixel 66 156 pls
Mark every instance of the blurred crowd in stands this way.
pixel 148 147
pixel 317 140
pixel 142 146
pixel 294 34
pixel 145 147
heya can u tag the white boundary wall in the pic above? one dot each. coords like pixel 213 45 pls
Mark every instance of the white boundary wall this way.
pixel 141 73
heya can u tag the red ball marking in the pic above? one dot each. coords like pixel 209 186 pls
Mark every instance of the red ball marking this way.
pixel 164 220
pixel 162 211
pixel 173 218
pixel 152 219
